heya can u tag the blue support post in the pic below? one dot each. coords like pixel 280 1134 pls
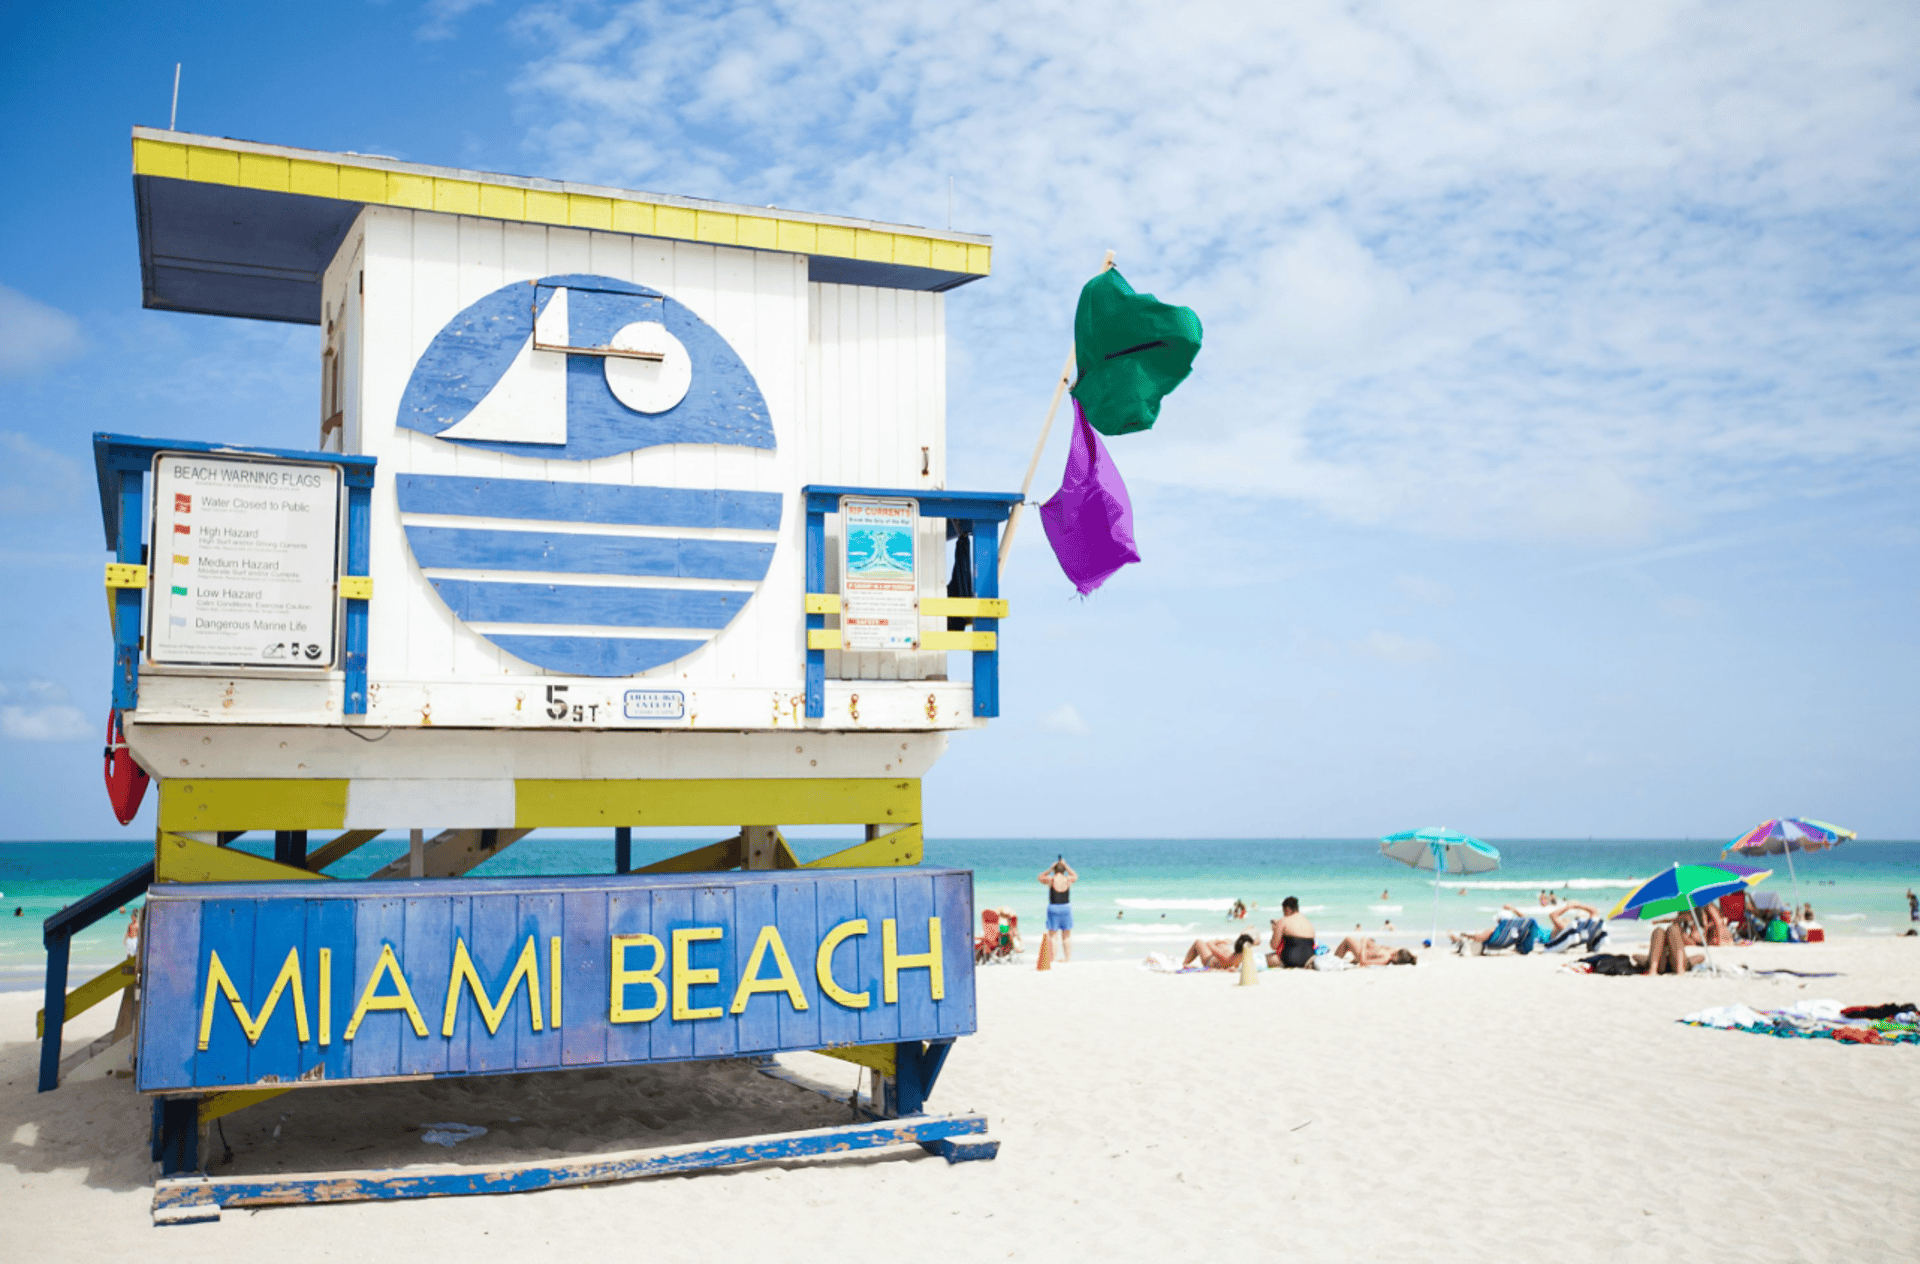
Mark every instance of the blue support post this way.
pixel 58 943
pixel 986 583
pixel 623 849
pixel 290 847
pixel 127 602
pixel 816 582
pixel 359 531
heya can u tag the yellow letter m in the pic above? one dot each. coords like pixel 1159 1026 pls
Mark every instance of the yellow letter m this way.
pixel 220 983
pixel 528 968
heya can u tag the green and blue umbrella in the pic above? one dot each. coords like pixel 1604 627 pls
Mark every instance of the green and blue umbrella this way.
pixel 1683 888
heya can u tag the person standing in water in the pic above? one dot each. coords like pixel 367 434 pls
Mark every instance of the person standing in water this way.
pixel 1060 877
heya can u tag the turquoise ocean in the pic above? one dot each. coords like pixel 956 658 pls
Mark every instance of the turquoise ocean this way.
pixel 1134 896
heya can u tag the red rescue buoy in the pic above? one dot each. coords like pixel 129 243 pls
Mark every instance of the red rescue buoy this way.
pixel 126 780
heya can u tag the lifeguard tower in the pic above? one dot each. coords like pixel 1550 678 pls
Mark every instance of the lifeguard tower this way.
pixel 617 509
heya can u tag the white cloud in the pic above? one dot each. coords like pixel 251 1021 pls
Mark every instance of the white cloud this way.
pixel 34 336
pixel 443 18
pixel 1065 718
pixel 1404 651
pixel 38 711
pixel 1578 272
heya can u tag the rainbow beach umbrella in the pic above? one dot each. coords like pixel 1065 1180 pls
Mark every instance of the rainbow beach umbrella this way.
pixel 1785 835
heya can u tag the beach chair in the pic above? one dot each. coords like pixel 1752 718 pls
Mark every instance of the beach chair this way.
pixel 1517 933
pixel 1587 934
pixel 1733 907
pixel 991 946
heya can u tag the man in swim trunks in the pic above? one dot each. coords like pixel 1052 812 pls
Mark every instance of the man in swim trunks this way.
pixel 1292 941
pixel 1060 877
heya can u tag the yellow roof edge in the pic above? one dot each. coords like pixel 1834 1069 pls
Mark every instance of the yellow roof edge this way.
pixel 393 166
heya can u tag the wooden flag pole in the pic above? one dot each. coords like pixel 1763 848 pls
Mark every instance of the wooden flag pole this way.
pixel 1046 428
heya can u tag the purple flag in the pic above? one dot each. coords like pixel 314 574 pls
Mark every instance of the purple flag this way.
pixel 1089 521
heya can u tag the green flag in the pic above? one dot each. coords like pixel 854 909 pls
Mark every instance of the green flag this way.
pixel 1131 350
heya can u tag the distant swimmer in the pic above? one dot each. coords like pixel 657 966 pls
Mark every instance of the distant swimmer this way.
pixel 1383 895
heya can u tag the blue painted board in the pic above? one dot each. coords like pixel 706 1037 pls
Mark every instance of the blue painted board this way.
pixel 417 926
pixel 485 548
pixel 481 601
pixel 471 497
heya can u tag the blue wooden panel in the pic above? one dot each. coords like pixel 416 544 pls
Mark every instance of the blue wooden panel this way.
pixel 329 925
pixel 376 1045
pixel 170 966
pixel 816 682
pixel 596 655
pixel 757 1027
pixel 953 897
pixel 875 898
pixel 428 960
pixel 540 920
pixel 913 898
pixel 837 902
pixel 460 1048
pixel 714 1037
pixel 226 931
pixel 476 601
pixel 672 910
pixel 481 548
pixel 798 920
pixel 583 1042
pixel 986 583
pixel 587 502
pixel 629 912
pixel 279 927
pixel 497 943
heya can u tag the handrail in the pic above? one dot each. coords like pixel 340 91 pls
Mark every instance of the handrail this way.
pixel 84 912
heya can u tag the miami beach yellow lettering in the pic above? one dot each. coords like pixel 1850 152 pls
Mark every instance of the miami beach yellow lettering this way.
pixel 751 984
pixel 893 961
pixel 617 1010
pixel 823 965
pixel 686 978
pixel 526 968
pixel 220 983
pixel 387 967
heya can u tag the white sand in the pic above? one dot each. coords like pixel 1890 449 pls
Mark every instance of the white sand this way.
pixel 1460 1110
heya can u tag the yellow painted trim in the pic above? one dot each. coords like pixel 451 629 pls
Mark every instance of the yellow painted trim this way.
pixel 177 859
pixel 938 641
pixel 584 210
pixel 126 575
pixel 717 801
pixel 499 203
pixel 633 217
pixel 210 164
pixel 91 993
pixel 881 1058
pixel 728 853
pixel 965 607
pixel 220 1104
pixel 252 803
pixel 347 843
pixel 823 603
pixel 456 197
pixel 901 847
pixel 356 587
pixel 823 638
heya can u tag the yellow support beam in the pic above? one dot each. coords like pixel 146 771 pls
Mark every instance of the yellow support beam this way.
pixel 965 607
pixel 901 847
pixel 178 859
pixel 728 853
pixel 91 993
pixel 212 1108
pixel 544 804
pixel 206 804
pixel 959 640
pixel 823 603
pixel 881 1058
pixel 346 844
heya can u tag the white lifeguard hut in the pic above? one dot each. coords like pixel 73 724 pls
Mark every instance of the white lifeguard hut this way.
pixel 617 509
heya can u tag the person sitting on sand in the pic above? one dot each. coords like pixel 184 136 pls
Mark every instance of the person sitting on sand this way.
pixel 1364 952
pixel 1217 954
pixel 1667 950
pixel 1719 934
pixel 1292 941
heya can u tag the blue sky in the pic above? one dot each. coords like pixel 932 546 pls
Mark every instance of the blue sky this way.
pixel 1549 468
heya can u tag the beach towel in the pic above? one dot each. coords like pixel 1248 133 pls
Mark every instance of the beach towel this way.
pixel 1589 933
pixel 1807 1020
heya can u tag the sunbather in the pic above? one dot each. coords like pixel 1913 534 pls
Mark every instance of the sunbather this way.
pixel 1507 913
pixel 1364 952
pixel 1217 954
pixel 1667 950
pixel 1292 940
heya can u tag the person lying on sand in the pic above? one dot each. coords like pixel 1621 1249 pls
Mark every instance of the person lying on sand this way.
pixel 1667 950
pixel 1292 941
pixel 1217 954
pixel 1364 952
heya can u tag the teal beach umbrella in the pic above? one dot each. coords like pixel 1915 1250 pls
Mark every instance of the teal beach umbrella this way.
pixel 1443 851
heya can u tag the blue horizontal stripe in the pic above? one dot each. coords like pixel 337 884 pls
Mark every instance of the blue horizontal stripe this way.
pixel 594 655
pixel 478 601
pixel 588 502
pixel 480 548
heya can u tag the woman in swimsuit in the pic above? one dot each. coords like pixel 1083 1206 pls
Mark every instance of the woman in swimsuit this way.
pixel 1292 941
pixel 1217 954
pixel 1364 952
